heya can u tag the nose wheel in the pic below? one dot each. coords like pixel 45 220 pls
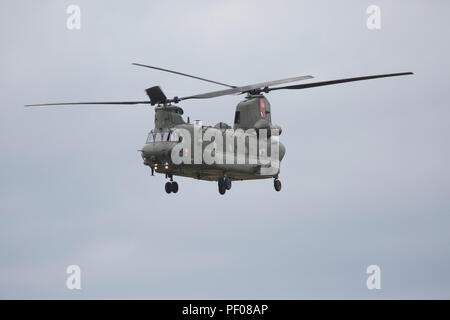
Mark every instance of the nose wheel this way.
pixel 224 184
pixel 171 186
pixel 277 184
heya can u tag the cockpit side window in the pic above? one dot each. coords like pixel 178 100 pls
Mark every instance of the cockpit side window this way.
pixel 158 137
pixel 174 136
pixel 150 138
pixel 165 136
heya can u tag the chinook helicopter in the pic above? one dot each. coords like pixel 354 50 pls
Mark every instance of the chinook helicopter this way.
pixel 252 120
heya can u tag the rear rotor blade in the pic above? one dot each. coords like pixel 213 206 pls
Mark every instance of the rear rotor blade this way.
pixel 242 89
pixel 330 82
pixel 86 103
pixel 183 74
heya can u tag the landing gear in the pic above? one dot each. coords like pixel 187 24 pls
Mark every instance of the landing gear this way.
pixel 168 187
pixel 227 183
pixel 277 184
pixel 222 188
pixel 224 184
pixel 174 187
pixel 171 187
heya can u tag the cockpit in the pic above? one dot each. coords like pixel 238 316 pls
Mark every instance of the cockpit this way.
pixel 158 136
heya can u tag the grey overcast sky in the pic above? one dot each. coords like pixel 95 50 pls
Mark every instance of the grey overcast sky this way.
pixel 365 177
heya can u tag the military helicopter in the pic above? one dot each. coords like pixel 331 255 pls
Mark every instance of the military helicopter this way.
pixel 252 119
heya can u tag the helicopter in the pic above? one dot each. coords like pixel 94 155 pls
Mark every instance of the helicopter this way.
pixel 170 149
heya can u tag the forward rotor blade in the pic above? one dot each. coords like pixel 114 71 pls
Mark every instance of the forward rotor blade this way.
pixel 86 103
pixel 242 89
pixel 184 74
pixel 330 82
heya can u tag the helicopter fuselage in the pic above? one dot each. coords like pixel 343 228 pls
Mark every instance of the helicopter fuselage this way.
pixel 236 160
pixel 158 152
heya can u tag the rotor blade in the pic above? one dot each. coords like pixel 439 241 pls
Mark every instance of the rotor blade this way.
pixel 86 103
pixel 184 74
pixel 248 88
pixel 330 82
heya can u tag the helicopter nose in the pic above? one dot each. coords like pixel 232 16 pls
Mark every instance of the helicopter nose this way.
pixel 156 153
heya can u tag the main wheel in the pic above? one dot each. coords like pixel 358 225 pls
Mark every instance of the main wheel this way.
pixel 277 184
pixel 221 184
pixel 174 187
pixel 227 183
pixel 168 187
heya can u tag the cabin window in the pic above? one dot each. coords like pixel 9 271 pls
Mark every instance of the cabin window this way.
pixel 237 117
